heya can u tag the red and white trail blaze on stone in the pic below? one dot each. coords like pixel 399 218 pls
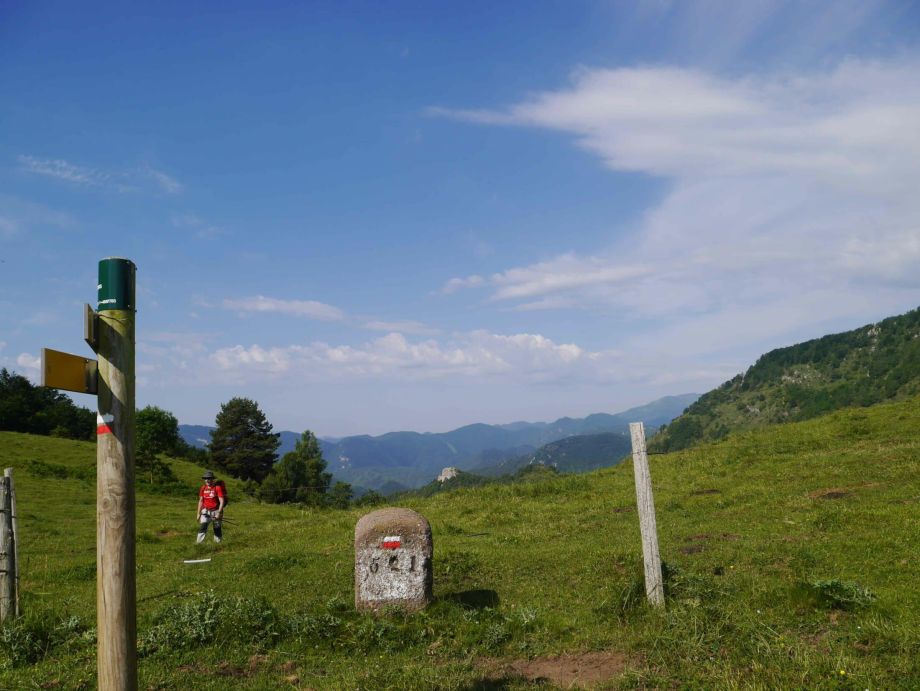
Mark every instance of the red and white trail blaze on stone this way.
pixel 393 550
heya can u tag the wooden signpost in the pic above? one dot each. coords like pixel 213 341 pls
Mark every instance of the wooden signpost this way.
pixel 109 331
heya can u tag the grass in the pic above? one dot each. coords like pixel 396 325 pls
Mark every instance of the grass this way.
pixel 790 563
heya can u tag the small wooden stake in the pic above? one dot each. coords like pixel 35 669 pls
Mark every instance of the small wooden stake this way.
pixel 654 584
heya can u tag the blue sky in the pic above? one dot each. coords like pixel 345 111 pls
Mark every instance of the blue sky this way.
pixel 381 216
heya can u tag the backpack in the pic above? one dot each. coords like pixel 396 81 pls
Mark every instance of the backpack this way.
pixel 223 486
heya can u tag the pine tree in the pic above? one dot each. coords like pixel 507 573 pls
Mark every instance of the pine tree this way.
pixel 300 476
pixel 243 444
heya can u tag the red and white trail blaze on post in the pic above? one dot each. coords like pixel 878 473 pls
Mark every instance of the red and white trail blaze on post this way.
pixel 103 422
pixel 393 550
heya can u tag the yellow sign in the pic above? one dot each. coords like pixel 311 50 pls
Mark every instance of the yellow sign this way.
pixel 68 372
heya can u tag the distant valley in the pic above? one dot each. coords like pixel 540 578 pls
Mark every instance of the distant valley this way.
pixel 400 460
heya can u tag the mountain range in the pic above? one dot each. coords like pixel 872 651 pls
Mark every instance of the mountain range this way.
pixel 401 460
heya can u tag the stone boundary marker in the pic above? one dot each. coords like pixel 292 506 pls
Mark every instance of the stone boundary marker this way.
pixel 393 550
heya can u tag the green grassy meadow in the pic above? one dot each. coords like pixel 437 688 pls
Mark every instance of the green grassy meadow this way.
pixel 791 557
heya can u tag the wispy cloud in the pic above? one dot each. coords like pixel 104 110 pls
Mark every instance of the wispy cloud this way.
pixel 124 180
pixel 165 182
pixel 63 170
pixel 18 216
pixel 413 328
pixel 779 186
pixel 198 226
pixel 298 308
pixel 8 227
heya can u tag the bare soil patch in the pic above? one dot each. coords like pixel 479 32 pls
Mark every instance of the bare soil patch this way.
pixel 840 492
pixel 829 493
pixel 228 669
pixel 699 492
pixel 575 670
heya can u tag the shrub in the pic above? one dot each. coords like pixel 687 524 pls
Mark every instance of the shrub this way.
pixel 837 594
pixel 210 619
pixel 29 639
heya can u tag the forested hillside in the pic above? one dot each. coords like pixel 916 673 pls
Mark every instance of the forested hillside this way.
pixel 576 454
pixel 874 363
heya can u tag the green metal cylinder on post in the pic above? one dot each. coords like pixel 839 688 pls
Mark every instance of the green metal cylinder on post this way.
pixel 116 586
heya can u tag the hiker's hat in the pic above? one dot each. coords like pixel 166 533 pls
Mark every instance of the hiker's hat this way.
pixel 208 475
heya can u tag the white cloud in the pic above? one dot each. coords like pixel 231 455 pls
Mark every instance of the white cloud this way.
pixel 254 358
pixel 298 308
pixel 782 190
pixel 474 354
pixel 455 284
pixel 565 273
pixel 29 362
pixel 688 124
pixel 119 180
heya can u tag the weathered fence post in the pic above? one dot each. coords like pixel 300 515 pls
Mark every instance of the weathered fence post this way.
pixel 116 586
pixel 15 522
pixel 7 554
pixel 654 585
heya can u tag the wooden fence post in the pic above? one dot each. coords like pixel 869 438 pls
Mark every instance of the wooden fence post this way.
pixel 7 554
pixel 15 521
pixel 654 584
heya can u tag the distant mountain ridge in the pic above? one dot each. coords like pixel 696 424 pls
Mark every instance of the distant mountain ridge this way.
pixel 399 460
pixel 576 454
pixel 874 363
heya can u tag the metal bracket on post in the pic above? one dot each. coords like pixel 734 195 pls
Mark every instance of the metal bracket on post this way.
pixel 90 327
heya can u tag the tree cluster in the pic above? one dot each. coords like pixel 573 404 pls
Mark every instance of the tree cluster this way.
pixel 25 407
pixel 244 446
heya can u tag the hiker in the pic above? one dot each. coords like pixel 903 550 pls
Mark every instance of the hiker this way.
pixel 211 499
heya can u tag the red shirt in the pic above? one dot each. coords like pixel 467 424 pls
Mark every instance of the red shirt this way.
pixel 209 496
